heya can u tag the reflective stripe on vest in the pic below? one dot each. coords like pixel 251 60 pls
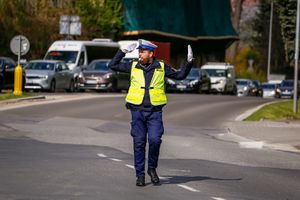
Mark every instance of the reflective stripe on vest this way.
pixel 136 90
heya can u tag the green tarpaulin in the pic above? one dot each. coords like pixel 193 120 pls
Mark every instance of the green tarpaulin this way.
pixel 186 19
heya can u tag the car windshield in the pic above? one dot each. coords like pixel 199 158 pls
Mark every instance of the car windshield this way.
pixel 256 83
pixel 287 84
pixel 193 73
pixel 244 83
pixel 98 66
pixel 216 72
pixel 68 56
pixel 268 86
pixel 40 66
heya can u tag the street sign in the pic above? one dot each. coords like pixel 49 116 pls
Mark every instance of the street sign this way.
pixel 19 45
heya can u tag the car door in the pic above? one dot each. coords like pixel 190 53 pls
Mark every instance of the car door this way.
pixel 66 76
pixel 59 78
pixel 205 79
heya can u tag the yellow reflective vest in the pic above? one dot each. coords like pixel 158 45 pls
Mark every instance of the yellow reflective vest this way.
pixel 137 88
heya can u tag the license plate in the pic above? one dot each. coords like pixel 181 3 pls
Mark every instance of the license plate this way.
pixel 180 86
pixel 91 82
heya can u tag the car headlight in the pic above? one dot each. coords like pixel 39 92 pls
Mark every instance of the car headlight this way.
pixel 43 77
pixel 170 81
pixel 194 82
pixel 108 75
pixel 81 75
pixel 278 90
pixel 245 88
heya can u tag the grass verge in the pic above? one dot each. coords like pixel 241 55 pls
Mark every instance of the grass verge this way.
pixel 276 112
pixel 10 95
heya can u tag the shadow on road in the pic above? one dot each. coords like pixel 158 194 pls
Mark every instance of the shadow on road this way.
pixel 186 179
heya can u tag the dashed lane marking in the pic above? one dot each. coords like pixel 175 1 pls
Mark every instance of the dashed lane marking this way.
pixel 115 159
pixel 218 198
pixel 102 155
pixel 188 188
pixel 130 166
pixel 252 145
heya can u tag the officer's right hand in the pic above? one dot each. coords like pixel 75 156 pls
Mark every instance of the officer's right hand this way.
pixel 129 48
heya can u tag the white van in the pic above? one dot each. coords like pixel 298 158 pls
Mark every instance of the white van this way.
pixel 79 53
pixel 222 77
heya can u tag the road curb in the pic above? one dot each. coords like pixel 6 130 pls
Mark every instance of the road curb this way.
pixel 249 112
pixel 11 101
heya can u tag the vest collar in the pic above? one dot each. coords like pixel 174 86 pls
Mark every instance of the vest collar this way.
pixel 154 64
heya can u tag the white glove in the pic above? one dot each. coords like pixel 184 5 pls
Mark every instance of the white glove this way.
pixel 129 48
pixel 190 56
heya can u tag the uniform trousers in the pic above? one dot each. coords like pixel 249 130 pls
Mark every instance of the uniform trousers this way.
pixel 146 125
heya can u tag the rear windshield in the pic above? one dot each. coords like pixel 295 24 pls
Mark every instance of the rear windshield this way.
pixel 98 66
pixel 40 66
pixel 216 72
pixel 287 84
pixel 268 86
pixel 241 82
pixel 68 56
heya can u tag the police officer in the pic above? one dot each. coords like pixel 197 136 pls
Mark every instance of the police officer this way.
pixel 145 99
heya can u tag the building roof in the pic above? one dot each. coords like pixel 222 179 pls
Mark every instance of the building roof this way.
pixel 188 20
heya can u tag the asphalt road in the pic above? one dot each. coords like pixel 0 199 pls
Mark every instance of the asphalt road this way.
pixel 82 149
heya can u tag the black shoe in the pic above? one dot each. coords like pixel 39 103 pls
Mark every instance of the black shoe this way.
pixel 140 181
pixel 154 178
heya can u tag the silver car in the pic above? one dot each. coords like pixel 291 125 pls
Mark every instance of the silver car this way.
pixel 48 75
pixel 244 86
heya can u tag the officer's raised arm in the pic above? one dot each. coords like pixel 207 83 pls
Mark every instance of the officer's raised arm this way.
pixel 184 70
pixel 116 64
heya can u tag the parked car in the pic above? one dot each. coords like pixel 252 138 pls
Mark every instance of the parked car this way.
pixel 7 71
pixel 244 86
pixel 98 76
pixel 48 75
pixel 197 81
pixel 257 88
pixel 269 90
pixel 286 89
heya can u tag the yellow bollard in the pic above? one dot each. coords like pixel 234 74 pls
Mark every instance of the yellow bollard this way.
pixel 18 81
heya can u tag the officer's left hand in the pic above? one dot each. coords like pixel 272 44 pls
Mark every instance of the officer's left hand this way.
pixel 129 48
pixel 190 56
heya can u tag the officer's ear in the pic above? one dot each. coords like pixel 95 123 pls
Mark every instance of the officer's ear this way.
pixel 151 53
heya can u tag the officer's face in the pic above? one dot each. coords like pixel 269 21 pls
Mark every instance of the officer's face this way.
pixel 145 56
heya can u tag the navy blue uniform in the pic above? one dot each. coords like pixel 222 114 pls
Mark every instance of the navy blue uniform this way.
pixel 147 118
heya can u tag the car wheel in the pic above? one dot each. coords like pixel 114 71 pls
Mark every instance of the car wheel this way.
pixel 71 87
pixel 52 86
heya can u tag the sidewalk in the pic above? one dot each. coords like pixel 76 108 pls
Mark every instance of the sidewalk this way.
pixel 283 136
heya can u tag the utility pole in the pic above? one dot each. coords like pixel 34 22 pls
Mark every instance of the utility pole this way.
pixel 295 103
pixel 270 42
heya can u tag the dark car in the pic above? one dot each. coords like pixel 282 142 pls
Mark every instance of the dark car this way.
pixel 197 81
pixel 256 90
pixel 286 89
pixel 7 71
pixel 98 76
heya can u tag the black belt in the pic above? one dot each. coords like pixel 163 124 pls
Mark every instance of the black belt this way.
pixel 147 88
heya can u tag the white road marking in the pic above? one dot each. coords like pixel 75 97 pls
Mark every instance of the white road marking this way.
pixel 188 188
pixel 101 155
pixel 252 145
pixel 115 159
pixel 130 166
pixel 164 177
pixel 218 198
